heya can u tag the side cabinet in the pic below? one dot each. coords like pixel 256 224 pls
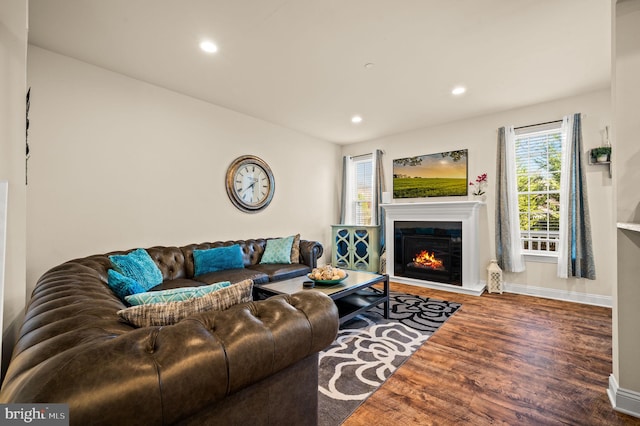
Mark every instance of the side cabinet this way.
pixel 356 247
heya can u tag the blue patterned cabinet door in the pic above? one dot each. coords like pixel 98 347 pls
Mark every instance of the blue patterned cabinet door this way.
pixel 356 247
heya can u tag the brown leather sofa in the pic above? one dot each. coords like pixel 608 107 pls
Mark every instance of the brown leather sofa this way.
pixel 255 363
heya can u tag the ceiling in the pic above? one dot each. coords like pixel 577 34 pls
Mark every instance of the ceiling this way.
pixel 301 63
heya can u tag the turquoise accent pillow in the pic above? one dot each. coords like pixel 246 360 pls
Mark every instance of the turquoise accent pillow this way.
pixel 138 266
pixel 122 286
pixel 174 294
pixel 278 250
pixel 218 259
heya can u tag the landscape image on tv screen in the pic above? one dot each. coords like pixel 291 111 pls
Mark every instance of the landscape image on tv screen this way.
pixel 434 175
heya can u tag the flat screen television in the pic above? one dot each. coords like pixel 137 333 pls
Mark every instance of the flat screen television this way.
pixel 432 175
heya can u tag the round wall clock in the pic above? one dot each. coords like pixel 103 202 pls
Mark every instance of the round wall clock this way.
pixel 250 183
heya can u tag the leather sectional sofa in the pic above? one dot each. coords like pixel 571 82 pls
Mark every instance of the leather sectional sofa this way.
pixel 255 363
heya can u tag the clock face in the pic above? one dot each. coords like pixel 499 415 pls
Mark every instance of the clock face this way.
pixel 250 183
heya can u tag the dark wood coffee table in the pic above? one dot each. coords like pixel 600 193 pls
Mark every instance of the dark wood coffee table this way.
pixel 354 295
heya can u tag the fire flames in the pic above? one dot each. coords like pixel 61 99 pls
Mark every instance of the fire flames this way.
pixel 424 259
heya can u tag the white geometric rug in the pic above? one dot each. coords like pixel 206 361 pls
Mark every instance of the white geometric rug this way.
pixel 369 349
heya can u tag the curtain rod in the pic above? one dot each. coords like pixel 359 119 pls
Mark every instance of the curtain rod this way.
pixel 366 155
pixel 539 124
pixel 359 156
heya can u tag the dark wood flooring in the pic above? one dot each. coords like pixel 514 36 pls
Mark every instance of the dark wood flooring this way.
pixel 503 359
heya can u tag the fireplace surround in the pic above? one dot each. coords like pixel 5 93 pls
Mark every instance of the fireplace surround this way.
pixel 453 230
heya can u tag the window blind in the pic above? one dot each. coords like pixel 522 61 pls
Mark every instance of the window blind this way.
pixel 363 196
pixel 538 162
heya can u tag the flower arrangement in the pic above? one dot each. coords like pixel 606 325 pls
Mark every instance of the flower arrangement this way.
pixel 481 182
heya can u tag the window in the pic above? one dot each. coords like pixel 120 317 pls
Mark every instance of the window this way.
pixel 360 188
pixel 538 153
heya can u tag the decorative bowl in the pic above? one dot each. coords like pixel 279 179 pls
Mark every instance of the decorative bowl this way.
pixel 327 281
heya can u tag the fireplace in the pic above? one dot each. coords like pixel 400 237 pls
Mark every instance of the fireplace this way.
pixel 449 230
pixel 429 251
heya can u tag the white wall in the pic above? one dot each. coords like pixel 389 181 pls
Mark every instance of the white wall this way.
pixel 13 52
pixel 118 163
pixel 479 136
pixel 626 104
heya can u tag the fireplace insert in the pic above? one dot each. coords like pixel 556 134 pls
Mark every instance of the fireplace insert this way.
pixel 430 251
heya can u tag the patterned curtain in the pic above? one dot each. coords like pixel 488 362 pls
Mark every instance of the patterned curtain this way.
pixel 508 248
pixel 575 248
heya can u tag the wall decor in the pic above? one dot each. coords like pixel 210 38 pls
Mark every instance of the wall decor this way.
pixel 26 139
pixel 250 183
pixel 433 175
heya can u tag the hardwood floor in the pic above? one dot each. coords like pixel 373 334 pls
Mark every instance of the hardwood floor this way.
pixel 503 359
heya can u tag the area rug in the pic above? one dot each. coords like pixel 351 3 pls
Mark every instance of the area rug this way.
pixel 369 349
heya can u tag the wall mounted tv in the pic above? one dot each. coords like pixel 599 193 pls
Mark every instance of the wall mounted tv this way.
pixel 432 175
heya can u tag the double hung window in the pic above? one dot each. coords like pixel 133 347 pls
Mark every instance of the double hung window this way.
pixel 360 190
pixel 538 152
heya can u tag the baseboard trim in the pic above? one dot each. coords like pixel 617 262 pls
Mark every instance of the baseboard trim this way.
pixel 474 290
pixel 623 400
pixel 568 296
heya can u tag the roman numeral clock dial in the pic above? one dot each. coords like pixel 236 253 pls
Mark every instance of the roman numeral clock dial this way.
pixel 250 184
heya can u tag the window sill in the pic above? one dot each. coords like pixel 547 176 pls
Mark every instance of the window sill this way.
pixel 540 258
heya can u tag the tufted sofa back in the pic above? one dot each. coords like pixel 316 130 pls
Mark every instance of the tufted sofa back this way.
pixel 177 262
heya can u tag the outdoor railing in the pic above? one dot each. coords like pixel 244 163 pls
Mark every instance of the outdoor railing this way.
pixel 539 241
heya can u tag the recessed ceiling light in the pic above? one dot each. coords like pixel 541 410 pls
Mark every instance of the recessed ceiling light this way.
pixel 208 46
pixel 369 65
pixel 458 90
pixel 356 119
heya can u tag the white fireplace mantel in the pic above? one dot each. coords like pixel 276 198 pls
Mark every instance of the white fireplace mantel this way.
pixel 466 212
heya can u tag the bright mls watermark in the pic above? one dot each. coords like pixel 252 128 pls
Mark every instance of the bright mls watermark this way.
pixel 34 414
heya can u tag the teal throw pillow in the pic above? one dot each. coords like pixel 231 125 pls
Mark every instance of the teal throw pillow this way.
pixel 218 259
pixel 278 250
pixel 174 294
pixel 138 266
pixel 123 286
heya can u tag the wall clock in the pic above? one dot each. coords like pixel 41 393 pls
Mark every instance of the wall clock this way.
pixel 250 183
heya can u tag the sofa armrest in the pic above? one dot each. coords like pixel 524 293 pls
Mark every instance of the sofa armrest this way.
pixel 252 342
pixel 310 252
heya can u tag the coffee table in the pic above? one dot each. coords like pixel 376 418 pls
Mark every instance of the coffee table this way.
pixel 354 295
